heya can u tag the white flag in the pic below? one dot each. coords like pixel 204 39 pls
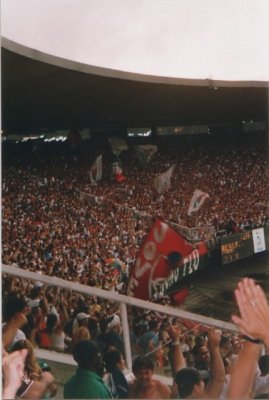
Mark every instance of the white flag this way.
pixel 197 200
pixel 118 145
pixel 96 170
pixel 163 181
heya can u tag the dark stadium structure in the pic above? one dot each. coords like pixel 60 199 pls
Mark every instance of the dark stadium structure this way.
pixel 37 95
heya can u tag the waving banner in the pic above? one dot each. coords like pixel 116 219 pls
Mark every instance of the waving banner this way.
pixel 197 200
pixel 164 259
pixel 163 181
pixel 96 170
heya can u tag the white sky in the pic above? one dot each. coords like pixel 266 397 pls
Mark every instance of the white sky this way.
pixel 219 39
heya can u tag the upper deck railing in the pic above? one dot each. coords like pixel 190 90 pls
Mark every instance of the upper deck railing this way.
pixel 123 300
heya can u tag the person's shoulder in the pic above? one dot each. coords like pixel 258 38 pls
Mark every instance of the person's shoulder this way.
pixel 162 387
pixel 69 383
pixel 133 390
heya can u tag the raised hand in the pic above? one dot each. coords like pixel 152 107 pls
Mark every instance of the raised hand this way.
pixel 174 332
pixel 13 366
pixel 254 310
pixel 214 338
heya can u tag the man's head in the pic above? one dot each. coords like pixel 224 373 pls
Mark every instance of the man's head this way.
pixel 82 319
pixel 114 359
pixel 13 307
pixel 143 371
pixel 189 383
pixel 201 355
pixel 87 355
pixel 225 344
pixel 153 325
pixel 115 324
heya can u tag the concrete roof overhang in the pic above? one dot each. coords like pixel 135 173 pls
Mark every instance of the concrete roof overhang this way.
pixel 53 93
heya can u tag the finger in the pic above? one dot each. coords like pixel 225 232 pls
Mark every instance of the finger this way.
pixel 257 297
pixel 240 323
pixel 261 297
pixel 248 296
pixel 250 289
pixel 242 303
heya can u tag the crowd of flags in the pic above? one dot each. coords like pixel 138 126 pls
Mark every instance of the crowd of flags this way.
pixel 145 154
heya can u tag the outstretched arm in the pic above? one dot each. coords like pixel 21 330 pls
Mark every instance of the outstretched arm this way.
pixel 215 385
pixel 243 372
pixel 253 322
pixel 176 357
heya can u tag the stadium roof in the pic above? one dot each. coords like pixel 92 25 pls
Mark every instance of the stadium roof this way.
pixel 82 64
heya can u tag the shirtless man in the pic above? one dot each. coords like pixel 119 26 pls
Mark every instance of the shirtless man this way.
pixel 189 380
pixel 145 387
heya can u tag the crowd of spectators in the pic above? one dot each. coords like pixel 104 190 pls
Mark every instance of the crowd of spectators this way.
pixel 55 222
pixel 205 363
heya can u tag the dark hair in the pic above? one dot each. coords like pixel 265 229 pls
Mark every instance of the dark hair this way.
pixel 264 364
pixel 35 292
pixel 19 345
pixel 51 321
pixel 224 339
pixel 199 340
pixel 262 396
pixel 111 358
pixel 153 323
pixel 185 379
pixel 196 348
pixel 142 362
pixel 85 352
pixel 12 306
pixel 103 324
pixel 49 297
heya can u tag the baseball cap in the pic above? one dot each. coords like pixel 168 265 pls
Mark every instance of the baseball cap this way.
pixel 81 316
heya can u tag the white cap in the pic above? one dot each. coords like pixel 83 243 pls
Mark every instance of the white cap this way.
pixel 38 284
pixel 81 316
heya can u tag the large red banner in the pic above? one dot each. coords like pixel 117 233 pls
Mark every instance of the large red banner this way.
pixel 164 257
